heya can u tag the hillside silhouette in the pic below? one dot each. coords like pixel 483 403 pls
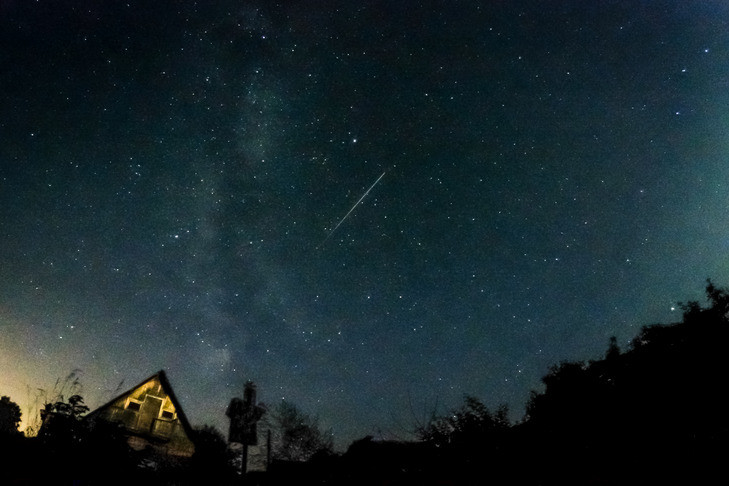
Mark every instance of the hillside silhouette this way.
pixel 651 414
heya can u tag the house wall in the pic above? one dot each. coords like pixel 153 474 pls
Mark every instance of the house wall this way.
pixel 149 416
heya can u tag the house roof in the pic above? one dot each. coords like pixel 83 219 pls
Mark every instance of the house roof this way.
pixel 162 377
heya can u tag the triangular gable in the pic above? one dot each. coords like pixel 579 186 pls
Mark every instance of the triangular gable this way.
pixel 150 410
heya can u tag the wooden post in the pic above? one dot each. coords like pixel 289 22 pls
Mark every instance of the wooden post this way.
pixel 268 450
pixel 244 466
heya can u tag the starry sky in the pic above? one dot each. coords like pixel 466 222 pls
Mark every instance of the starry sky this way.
pixel 370 208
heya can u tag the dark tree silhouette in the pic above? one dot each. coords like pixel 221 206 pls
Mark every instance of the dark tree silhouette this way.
pixel 9 417
pixel 655 409
pixel 15 455
pixel 61 420
pixel 212 460
pixel 90 452
pixel 470 439
pixel 467 426
pixel 296 436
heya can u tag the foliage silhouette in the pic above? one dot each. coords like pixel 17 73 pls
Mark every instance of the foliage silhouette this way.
pixel 41 398
pixel 61 421
pixel 469 439
pixel 10 415
pixel 655 409
pixel 296 436
pixel 71 449
pixel 467 426
pixel 212 461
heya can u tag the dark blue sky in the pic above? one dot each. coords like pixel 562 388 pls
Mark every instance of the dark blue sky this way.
pixel 170 176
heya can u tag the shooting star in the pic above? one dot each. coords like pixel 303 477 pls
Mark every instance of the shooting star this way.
pixel 350 211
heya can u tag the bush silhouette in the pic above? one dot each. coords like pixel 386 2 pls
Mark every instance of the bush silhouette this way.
pixel 655 408
pixel 9 417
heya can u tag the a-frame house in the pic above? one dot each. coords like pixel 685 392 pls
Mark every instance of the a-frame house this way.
pixel 151 417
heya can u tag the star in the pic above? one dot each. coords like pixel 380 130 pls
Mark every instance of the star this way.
pixel 168 184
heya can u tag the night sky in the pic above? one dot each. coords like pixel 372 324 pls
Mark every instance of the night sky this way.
pixel 172 174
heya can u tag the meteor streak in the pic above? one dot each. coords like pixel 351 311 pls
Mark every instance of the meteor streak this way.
pixel 355 205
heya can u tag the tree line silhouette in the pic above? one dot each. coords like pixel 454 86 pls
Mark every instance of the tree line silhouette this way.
pixel 651 414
